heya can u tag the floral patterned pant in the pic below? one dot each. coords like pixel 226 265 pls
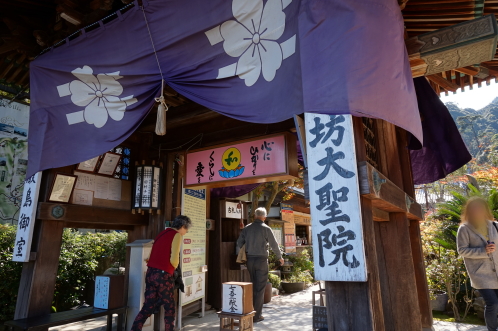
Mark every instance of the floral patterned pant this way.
pixel 159 291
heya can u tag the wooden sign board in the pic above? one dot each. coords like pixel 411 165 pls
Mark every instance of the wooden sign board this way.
pixel 233 209
pixel 287 215
pixel 319 317
pixel 338 249
pixel 237 298
pixel 258 160
pixel 27 216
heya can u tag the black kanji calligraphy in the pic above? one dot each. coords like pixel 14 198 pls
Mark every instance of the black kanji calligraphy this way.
pixel 232 300
pixel 266 149
pixel 30 180
pixel 333 127
pixel 28 201
pixel 343 191
pixel 20 244
pixel 334 215
pixel 329 161
pixel 324 196
pixel 327 240
pixel 323 242
pixel 317 132
pixel 198 171
pixel 24 221
pixel 329 198
pixel 343 252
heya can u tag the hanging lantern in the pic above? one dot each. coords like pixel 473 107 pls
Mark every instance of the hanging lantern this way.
pixel 147 188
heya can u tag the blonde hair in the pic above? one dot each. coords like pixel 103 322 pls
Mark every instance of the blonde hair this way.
pixel 473 201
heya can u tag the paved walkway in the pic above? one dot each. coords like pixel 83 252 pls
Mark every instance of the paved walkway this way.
pixel 448 326
pixel 284 313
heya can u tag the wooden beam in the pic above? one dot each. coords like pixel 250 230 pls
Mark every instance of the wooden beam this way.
pixel 380 215
pixel 213 135
pixel 492 71
pixel 468 71
pixel 385 195
pixel 444 83
pixel 101 226
pixel 90 215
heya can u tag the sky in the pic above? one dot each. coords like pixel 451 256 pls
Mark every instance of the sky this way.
pixel 476 98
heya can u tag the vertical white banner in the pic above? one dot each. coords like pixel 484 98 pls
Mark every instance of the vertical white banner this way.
pixel 338 249
pixel 27 216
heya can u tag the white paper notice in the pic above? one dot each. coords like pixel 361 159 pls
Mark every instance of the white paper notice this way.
pixel 81 197
pixel 85 181
pixel 101 188
pixel 114 190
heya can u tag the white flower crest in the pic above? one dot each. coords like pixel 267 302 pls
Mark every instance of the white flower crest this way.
pixel 253 37
pixel 98 94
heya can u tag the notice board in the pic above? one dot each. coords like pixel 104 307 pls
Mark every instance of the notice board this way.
pixel 193 253
pixel 289 227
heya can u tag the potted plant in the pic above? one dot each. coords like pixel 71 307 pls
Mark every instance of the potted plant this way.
pixel 297 281
pixel 439 300
pixel 301 272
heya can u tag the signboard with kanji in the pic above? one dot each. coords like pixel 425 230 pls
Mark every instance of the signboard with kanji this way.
pixel 267 158
pixel 193 253
pixel 27 215
pixel 334 199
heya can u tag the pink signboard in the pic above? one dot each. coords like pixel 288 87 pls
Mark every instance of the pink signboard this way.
pixel 251 159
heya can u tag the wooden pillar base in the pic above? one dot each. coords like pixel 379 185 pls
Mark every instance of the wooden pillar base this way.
pixel 348 306
pixel 36 290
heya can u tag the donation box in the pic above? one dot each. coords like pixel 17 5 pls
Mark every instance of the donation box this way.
pixel 237 298
pixel 109 292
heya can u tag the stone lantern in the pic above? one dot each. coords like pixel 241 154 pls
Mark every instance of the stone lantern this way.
pixel 287 267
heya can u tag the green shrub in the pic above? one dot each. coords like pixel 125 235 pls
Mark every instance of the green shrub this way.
pixel 301 276
pixel 302 262
pixel 83 256
pixel 10 273
pixel 274 280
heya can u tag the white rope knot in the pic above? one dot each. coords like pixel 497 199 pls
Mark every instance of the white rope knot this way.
pixel 163 102
pixel 161 113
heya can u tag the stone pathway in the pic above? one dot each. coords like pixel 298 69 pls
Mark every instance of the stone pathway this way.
pixel 284 313
pixel 448 326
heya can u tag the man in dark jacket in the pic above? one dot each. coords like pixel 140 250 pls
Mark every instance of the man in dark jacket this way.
pixel 257 236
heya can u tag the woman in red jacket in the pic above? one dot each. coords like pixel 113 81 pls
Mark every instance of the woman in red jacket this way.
pixel 159 281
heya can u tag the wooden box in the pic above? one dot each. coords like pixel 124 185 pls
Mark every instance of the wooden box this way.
pixel 237 298
pixel 109 292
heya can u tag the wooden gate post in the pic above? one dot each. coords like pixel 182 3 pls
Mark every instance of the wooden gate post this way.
pixel 36 290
